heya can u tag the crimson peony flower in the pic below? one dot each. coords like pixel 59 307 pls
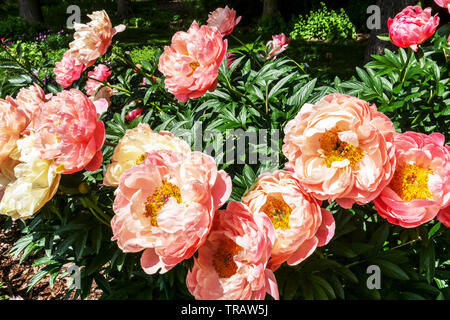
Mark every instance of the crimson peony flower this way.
pixel 230 59
pixel 300 223
pixel 341 149
pixel 133 114
pixel 412 26
pixel 69 132
pixel 191 63
pixel 224 19
pixel 100 73
pixel 165 206
pixel 421 183
pixel 93 39
pixel 68 70
pixel 231 265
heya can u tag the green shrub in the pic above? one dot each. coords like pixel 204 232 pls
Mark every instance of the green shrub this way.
pixel 324 24
pixel 14 28
pixel 143 53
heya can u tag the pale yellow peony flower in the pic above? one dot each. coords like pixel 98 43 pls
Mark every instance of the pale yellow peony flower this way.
pixel 26 181
pixel 132 147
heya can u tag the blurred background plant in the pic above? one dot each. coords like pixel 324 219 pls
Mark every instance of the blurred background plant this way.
pixel 324 24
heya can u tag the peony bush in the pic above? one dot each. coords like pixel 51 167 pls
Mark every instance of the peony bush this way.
pixel 209 173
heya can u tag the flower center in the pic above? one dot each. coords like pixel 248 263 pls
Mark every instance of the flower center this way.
pixel 338 150
pixel 410 182
pixel 223 260
pixel 194 65
pixel 278 211
pixel 159 198
pixel 140 159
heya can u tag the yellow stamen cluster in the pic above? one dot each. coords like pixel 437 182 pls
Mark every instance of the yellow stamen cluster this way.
pixel 194 65
pixel 159 198
pixel 140 159
pixel 410 182
pixel 223 260
pixel 337 150
pixel 278 211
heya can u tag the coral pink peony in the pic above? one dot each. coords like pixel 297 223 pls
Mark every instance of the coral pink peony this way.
pixel 224 19
pixel 69 132
pixel 100 73
pixel 133 114
pixel 165 206
pixel 232 264
pixel 444 216
pixel 412 27
pixel 443 3
pixel 191 63
pixel 93 39
pixel 421 183
pixel 30 99
pixel 68 70
pixel 278 44
pixel 13 121
pixel 300 223
pixel 341 149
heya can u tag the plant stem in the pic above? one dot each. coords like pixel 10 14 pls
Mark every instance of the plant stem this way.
pixel 245 46
pixel 298 65
pixel 267 98
pixel 403 74
pixel 112 86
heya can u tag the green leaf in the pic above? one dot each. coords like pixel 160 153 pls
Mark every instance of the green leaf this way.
pixel 324 284
pixel 434 229
pixel 427 261
pixel 390 269
pixel 380 236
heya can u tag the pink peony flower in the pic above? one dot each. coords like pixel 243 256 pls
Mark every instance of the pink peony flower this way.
pixel 13 121
pixel 231 265
pixel 165 206
pixel 191 63
pixel 93 39
pixel 69 132
pixel 278 44
pixel 421 183
pixel 341 149
pixel 100 73
pixel 412 26
pixel 224 19
pixel 68 70
pixel 300 223
pixel 133 114
pixel 443 3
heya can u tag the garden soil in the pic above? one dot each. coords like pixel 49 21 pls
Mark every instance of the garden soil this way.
pixel 14 277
